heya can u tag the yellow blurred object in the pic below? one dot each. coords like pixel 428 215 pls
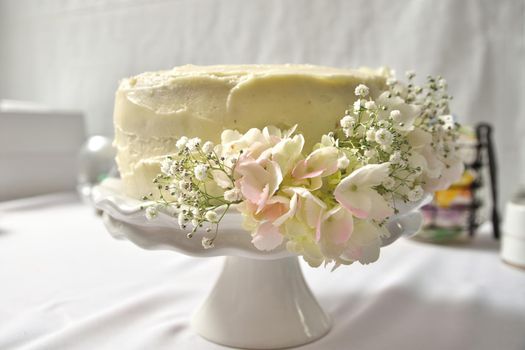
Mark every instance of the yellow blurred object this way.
pixel 459 191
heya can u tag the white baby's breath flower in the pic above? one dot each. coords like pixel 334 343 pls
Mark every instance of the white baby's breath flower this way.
pixel 195 211
pixel 185 208
pixel 410 74
pixel 212 216
pixel 361 90
pixel 201 172
pixel 417 170
pixel 183 184
pixel 391 81
pixel 384 124
pixel 166 167
pixel 358 104
pixel 370 135
pixel 395 115
pixel 207 147
pixel 181 220
pixel 347 121
pixel 181 143
pixel 343 162
pixel 389 183
pixel 370 153
pixel 233 195
pixel 384 137
pixel 174 185
pixel 151 213
pixel 230 161
pixel 193 143
pixel 370 105
pixel 195 223
pixel 207 243
pixel 415 194
pixel 448 121
pixel 397 158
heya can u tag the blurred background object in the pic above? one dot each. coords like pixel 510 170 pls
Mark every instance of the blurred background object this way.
pixel 96 161
pixel 38 149
pixel 513 242
pixel 456 213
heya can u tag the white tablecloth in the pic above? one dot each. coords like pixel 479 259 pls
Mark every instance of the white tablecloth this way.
pixel 65 283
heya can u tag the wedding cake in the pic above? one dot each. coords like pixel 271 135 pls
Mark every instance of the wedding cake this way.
pixel 320 159
pixel 154 109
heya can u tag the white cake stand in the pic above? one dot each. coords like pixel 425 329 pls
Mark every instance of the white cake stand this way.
pixel 260 300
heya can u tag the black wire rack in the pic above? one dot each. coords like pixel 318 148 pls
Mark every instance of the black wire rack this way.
pixel 483 166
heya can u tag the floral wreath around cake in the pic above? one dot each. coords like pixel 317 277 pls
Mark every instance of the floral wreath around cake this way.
pixel 329 205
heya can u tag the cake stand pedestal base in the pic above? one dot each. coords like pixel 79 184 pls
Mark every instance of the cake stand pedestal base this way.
pixel 261 304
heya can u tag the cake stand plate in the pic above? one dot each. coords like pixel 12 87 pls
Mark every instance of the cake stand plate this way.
pixel 260 300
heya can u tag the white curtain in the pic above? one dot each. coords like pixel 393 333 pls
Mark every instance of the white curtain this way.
pixel 71 53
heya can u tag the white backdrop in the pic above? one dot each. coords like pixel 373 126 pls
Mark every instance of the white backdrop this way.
pixel 71 53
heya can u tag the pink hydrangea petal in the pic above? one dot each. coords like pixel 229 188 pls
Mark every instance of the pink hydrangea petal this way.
pixel 273 211
pixel 293 205
pixel 259 180
pixel 267 237
pixel 342 230
pixel 337 225
pixel 300 171
pixel 275 176
pixel 321 162
pixel 364 244
pixel 356 202
pixel 263 197
pixel 318 229
pixel 250 190
pixel 330 169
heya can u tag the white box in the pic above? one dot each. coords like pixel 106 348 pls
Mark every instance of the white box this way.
pixel 38 151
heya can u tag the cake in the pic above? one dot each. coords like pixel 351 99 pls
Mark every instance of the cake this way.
pixel 318 159
pixel 153 109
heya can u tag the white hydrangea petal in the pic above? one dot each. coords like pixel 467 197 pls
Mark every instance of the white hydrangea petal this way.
pixel 221 179
pixel 370 175
pixel 380 208
pixel 229 136
pixel 419 138
pixel 287 151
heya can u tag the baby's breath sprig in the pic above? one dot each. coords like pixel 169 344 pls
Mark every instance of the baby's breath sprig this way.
pixel 375 131
pixel 188 188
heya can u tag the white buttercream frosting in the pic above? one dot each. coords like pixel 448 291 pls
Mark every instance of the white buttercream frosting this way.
pixel 153 109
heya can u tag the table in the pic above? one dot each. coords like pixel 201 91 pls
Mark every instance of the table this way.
pixel 65 283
